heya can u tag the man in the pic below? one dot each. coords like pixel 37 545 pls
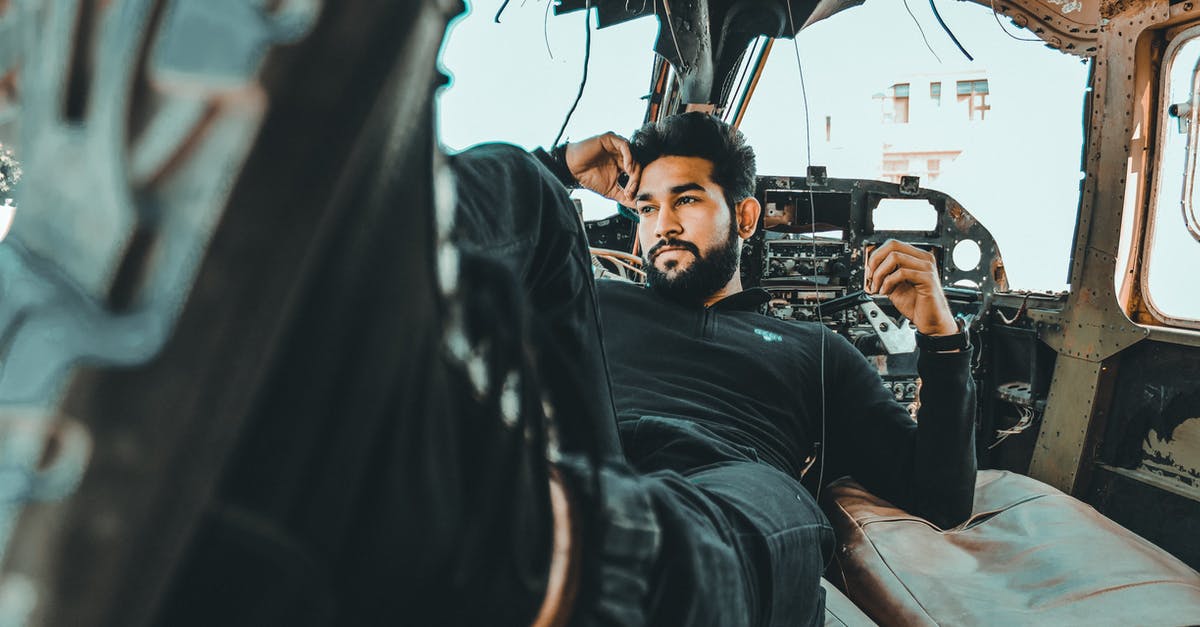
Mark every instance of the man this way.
pixel 727 404
pixel 491 486
pixel 719 407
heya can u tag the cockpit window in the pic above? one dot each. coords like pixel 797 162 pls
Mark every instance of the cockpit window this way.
pixel 1003 140
pixel 1172 250
pixel 514 81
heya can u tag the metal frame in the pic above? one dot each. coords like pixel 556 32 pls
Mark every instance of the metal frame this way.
pixel 1139 296
pixel 1093 327
pixel 1072 31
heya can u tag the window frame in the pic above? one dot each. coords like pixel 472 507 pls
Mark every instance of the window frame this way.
pixel 1145 238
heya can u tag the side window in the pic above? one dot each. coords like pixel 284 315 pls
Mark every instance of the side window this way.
pixel 974 95
pixel 1172 239
pixel 896 105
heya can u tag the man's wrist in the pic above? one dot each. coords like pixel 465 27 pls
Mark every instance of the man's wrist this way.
pixel 956 340
pixel 555 161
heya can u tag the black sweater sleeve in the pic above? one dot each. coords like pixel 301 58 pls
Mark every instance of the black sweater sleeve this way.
pixel 926 467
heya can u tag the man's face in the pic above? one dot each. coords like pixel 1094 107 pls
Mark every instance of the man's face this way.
pixel 687 235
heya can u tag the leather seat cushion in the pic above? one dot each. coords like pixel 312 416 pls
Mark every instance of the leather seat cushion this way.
pixel 1029 554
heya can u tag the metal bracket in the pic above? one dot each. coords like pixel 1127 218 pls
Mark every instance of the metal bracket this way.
pixel 1092 327
pixel 896 338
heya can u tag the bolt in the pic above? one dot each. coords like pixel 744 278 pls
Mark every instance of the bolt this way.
pixel 883 326
pixel 874 313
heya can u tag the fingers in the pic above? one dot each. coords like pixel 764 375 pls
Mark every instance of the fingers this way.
pixel 627 164
pixel 897 261
pixel 635 179
pixel 906 276
pixel 880 253
pixel 623 151
pixel 892 255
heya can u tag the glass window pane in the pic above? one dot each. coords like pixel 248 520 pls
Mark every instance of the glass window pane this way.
pixel 900 90
pixel 981 87
pixel 964 87
pixel 870 144
pixel 515 81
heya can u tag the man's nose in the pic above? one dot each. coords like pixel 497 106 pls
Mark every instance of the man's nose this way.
pixel 668 225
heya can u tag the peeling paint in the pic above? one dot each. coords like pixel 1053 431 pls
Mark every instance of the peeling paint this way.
pixel 1172 455
pixel 1068 6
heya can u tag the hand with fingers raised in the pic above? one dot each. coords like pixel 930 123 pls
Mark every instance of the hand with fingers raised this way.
pixel 600 163
pixel 909 277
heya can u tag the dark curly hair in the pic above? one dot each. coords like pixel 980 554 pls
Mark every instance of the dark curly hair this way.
pixel 701 135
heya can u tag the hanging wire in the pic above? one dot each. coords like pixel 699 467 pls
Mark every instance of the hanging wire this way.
pixel 1005 29
pixel 922 31
pixel 1024 422
pixel 641 10
pixel 587 56
pixel 812 206
pixel 949 32
pixel 546 28
pixel 500 11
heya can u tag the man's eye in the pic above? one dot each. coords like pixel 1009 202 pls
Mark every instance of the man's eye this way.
pixel 685 200
pixel 647 209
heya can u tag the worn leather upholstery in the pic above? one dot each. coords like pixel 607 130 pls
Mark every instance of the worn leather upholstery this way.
pixel 840 611
pixel 1029 555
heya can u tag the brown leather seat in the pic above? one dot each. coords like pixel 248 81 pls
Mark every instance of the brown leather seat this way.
pixel 1029 555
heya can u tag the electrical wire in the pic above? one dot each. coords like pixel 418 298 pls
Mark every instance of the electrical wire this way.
pixel 1005 29
pixel 587 55
pixel 546 28
pixel 503 6
pixel 922 31
pixel 812 206
pixel 949 32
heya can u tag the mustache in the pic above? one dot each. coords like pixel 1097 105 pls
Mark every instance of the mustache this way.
pixel 672 243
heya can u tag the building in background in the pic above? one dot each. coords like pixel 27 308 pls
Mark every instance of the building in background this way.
pixel 928 120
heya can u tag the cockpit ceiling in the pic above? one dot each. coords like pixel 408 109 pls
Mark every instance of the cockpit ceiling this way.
pixel 1068 25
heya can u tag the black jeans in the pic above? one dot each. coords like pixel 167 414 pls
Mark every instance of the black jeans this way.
pixel 726 541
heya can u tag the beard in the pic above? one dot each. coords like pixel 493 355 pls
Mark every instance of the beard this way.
pixel 707 274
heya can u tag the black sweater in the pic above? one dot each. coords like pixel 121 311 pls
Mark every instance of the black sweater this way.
pixel 752 382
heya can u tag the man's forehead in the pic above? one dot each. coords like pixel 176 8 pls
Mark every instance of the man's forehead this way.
pixel 674 175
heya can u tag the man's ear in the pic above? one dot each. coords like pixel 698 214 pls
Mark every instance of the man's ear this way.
pixel 747 212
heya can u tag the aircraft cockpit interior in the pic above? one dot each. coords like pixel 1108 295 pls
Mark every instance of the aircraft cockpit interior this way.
pixel 308 315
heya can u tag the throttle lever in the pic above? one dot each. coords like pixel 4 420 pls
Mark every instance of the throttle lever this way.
pixel 896 338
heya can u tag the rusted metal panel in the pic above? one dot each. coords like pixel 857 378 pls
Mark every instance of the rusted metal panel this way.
pixel 1093 326
pixel 1072 26
pixel 1059 452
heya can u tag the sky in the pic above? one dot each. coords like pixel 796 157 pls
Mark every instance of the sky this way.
pixel 1018 175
